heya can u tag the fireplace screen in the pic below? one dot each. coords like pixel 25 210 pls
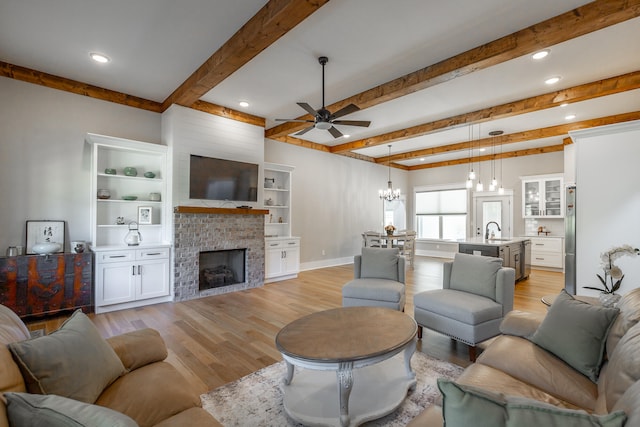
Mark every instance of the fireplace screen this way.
pixel 222 268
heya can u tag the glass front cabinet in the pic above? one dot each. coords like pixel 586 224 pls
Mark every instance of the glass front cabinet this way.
pixel 543 196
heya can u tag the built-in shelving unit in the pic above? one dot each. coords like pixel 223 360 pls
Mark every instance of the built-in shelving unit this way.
pixel 129 276
pixel 282 250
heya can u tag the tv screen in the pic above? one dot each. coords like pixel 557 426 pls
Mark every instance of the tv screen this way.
pixel 219 179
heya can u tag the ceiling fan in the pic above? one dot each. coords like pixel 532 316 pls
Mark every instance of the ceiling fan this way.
pixel 323 119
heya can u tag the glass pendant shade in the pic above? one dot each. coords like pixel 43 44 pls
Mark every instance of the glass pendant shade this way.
pixel 479 186
pixel 472 174
pixel 501 190
pixel 469 183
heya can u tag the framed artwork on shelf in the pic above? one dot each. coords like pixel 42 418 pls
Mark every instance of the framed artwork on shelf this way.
pixel 145 215
pixel 45 231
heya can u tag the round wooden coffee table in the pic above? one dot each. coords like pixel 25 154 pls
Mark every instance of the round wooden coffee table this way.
pixel 358 343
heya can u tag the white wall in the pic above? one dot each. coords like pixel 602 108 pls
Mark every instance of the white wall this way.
pixel 607 201
pixel 335 199
pixel 513 169
pixel 189 131
pixel 44 161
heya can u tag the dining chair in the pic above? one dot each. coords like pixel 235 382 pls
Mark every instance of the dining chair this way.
pixel 371 239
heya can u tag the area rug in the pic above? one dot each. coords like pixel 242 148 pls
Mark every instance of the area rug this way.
pixel 256 400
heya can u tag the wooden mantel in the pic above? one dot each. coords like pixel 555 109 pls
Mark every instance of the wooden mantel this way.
pixel 223 211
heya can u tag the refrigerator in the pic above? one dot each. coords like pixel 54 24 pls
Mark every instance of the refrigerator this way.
pixel 570 240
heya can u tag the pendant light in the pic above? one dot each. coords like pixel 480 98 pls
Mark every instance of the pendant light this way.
pixel 479 186
pixel 471 175
pixel 501 188
pixel 494 182
pixel 389 194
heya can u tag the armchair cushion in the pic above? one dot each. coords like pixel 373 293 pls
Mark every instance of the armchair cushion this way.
pixel 475 274
pixel 74 361
pixel 379 263
pixel 576 332
pixel 25 409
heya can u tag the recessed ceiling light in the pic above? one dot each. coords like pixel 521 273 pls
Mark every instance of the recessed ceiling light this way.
pixel 243 104
pixel 564 104
pixel 540 54
pixel 552 80
pixel 422 159
pixel 482 149
pixel 98 57
pixel 346 135
pixel 570 117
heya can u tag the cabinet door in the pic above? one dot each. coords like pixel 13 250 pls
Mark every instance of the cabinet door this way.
pixel 115 283
pixel 291 260
pixel 531 202
pixel 553 198
pixel 273 262
pixel 153 277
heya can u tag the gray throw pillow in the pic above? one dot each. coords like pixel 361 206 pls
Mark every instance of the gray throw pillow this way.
pixel 74 361
pixel 576 332
pixel 475 274
pixel 379 263
pixel 464 406
pixel 37 410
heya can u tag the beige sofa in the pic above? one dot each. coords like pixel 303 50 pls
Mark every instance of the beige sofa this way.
pixel 149 391
pixel 517 373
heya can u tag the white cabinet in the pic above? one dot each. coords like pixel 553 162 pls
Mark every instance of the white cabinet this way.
pixel 129 184
pixel 282 258
pixel 547 252
pixel 131 277
pixel 543 196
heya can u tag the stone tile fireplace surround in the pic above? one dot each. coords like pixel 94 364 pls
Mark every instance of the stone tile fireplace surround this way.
pixel 199 229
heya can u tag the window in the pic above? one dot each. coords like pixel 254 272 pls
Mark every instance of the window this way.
pixel 441 214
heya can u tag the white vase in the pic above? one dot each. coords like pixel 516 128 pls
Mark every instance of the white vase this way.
pixel 609 300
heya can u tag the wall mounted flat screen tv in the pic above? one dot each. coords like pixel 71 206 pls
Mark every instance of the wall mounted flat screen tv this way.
pixel 220 179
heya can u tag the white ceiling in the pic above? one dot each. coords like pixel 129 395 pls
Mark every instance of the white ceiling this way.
pixel 156 44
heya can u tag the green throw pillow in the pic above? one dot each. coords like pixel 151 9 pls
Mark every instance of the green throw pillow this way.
pixel 74 361
pixel 37 410
pixel 576 332
pixel 464 406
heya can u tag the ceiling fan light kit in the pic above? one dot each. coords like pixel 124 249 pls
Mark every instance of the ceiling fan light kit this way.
pixel 323 119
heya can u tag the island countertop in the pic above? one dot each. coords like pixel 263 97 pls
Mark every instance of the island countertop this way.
pixel 479 240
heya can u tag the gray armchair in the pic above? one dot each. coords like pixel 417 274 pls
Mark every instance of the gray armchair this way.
pixel 379 280
pixel 476 294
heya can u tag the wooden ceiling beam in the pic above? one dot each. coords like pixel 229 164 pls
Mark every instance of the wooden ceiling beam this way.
pixel 610 86
pixel 271 22
pixel 577 22
pixel 488 157
pixel 528 135
pixel 229 113
pixel 73 86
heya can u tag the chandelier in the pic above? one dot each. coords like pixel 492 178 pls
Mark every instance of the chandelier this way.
pixel 389 194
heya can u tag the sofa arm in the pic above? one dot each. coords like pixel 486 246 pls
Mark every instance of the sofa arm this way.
pixel 521 324
pixel 139 348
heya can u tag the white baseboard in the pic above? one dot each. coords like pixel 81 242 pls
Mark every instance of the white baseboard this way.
pixel 314 265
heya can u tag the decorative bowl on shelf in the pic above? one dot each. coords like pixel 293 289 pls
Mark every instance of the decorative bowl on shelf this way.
pixel 129 198
pixel 46 248
pixel 149 174
pixel 103 193
pixel 130 171
pixel 110 171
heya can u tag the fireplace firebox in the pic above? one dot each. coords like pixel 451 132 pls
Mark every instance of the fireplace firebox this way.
pixel 222 268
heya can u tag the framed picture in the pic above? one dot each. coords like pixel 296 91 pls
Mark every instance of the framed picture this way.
pixel 145 215
pixel 45 232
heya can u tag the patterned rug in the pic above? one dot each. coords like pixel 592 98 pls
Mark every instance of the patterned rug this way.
pixel 256 400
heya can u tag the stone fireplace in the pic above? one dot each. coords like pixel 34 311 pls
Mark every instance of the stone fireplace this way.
pixel 200 230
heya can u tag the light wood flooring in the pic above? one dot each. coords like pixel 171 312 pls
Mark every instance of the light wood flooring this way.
pixel 218 339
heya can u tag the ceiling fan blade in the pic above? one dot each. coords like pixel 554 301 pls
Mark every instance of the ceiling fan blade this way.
pixel 351 108
pixel 335 132
pixel 305 130
pixel 308 108
pixel 294 120
pixel 363 123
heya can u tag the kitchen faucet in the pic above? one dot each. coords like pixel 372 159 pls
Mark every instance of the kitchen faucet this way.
pixel 486 231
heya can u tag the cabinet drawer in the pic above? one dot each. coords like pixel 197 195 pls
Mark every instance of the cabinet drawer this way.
pixel 115 256
pixel 281 244
pixel 152 253
pixel 547 245
pixel 546 259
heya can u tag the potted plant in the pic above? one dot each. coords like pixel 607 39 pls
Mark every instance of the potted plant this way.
pixel 612 278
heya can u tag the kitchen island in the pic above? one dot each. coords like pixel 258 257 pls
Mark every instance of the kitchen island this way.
pixel 514 251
